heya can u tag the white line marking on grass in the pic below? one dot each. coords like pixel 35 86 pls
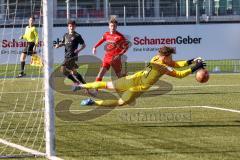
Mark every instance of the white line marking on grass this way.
pixel 2 73
pixel 182 107
pixel 24 92
pixel 100 108
pixel 195 86
pixel 222 74
pixel 28 150
pixel 55 158
pixel 152 108
pixel 209 85
pixel 122 109
pixel 222 109
pixel 22 148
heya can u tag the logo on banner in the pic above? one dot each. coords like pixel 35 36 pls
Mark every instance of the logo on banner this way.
pixel 147 43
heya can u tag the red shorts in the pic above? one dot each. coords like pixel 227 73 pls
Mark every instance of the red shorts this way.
pixel 116 64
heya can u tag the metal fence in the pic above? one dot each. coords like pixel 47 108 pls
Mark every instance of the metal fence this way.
pixel 92 11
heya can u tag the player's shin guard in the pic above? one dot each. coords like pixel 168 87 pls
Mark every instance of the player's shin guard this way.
pixel 95 85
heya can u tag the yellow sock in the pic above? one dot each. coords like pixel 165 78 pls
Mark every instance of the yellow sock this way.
pixel 108 103
pixel 95 85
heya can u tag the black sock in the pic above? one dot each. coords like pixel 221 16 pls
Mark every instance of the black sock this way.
pixel 72 78
pixel 22 66
pixel 80 78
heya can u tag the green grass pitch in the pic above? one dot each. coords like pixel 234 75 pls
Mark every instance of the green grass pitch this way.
pixel 173 125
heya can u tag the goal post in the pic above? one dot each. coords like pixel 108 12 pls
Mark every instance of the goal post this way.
pixel 48 68
pixel 27 118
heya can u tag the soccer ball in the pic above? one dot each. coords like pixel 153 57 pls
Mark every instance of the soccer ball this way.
pixel 202 76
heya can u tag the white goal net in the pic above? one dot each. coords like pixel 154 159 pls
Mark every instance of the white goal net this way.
pixel 21 99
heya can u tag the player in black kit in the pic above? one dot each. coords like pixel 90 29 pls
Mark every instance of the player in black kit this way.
pixel 71 40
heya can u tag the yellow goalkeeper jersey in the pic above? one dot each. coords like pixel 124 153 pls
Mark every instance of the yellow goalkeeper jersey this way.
pixel 156 68
pixel 142 80
pixel 31 35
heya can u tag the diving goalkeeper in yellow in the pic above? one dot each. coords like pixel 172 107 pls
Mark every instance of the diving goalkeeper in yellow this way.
pixel 134 85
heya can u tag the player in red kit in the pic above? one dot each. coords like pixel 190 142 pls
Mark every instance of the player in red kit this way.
pixel 116 46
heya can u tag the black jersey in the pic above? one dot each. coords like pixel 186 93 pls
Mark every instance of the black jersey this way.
pixel 71 42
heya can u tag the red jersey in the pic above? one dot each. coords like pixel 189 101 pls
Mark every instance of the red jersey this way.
pixel 116 43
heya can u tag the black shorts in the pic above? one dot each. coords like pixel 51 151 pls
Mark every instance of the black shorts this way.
pixel 70 63
pixel 28 50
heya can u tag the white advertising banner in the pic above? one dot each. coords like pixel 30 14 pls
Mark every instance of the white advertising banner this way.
pixel 210 41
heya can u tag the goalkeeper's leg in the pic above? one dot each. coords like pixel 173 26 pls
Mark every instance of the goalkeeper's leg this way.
pixel 127 98
pixel 76 86
pixel 121 84
pixel 96 85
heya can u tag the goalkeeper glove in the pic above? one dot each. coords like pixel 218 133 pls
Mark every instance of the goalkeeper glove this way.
pixel 198 66
pixel 191 61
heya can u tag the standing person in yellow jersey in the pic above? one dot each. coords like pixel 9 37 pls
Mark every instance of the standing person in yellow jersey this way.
pixel 133 86
pixel 31 36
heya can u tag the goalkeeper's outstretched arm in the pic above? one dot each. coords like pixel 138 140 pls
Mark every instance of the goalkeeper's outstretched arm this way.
pixel 179 74
pixel 186 72
pixel 179 64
